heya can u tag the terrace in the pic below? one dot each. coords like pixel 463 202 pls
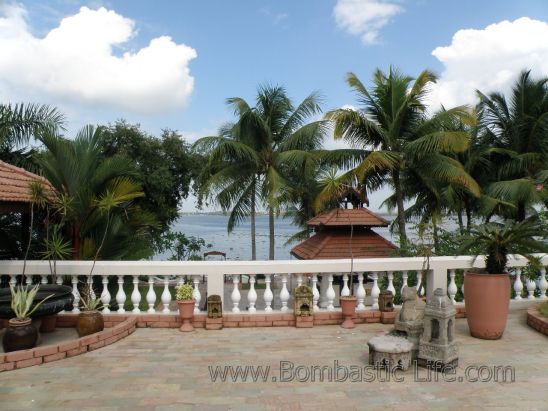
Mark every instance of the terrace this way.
pixel 157 367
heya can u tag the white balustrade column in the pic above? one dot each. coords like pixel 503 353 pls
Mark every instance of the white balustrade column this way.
pixel 375 291
pixel 419 282
pixel 76 294
pixel 299 279
pixel 166 296
pixel 284 293
pixel 13 280
pixel 315 292
pixel 531 286
pixel 136 295
pixel 196 294
pixel 43 279
pixel 268 295
pixel 252 294
pixel 452 288
pixel 518 285
pixel 360 293
pixel 542 284
pixel 180 281
pixel 235 296
pixel 462 287
pixel 390 287
pixel 330 293
pixel 28 279
pixel 345 292
pixel 151 296
pixel 105 295
pixel 404 284
pixel 121 295
pixel 59 280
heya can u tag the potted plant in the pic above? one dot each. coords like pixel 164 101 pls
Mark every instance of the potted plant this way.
pixel 21 334
pixel 90 320
pixel 185 300
pixel 488 292
pixel 348 307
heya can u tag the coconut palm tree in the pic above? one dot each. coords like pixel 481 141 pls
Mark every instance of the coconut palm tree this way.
pixel 518 128
pixel 392 136
pixel 252 159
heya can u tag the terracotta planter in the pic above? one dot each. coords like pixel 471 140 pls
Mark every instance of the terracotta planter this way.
pixel 348 306
pixel 186 312
pixel 89 322
pixel 48 323
pixel 487 298
pixel 20 335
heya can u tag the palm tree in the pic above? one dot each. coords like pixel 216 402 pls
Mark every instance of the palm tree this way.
pixel 518 130
pixel 394 140
pixel 252 159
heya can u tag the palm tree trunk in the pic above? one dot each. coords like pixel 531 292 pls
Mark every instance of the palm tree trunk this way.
pixel 253 228
pixel 521 211
pixel 435 235
pixel 400 206
pixel 461 223
pixel 468 218
pixel 271 233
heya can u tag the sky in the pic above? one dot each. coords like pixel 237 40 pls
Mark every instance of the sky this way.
pixel 172 64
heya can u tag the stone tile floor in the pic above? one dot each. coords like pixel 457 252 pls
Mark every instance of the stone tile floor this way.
pixel 163 369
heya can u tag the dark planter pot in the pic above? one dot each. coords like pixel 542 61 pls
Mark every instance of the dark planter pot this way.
pixel 348 307
pixel 186 312
pixel 486 298
pixel 20 335
pixel 89 322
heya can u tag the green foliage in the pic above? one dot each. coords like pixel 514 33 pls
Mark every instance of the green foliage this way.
pixel 182 248
pixel 543 309
pixel 22 301
pixel 89 301
pixel 184 292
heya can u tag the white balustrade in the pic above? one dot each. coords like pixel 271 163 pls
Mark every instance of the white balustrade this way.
pixel 196 294
pixel 462 287
pixel 105 295
pixel 375 291
pixel 360 293
pixel 315 292
pixel 43 279
pixel 121 295
pixel 13 280
pixel 531 286
pixel 542 284
pixel 299 279
pixel 28 279
pixel 166 296
pixel 345 292
pixel 518 285
pixel 252 294
pixel 452 288
pixel 76 294
pixel 284 294
pixel 235 296
pixel 390 286
pixel 330 293
pixel 404 284
pixel 135 295
pixel 151 296
pixel 268 295
pixel 419 282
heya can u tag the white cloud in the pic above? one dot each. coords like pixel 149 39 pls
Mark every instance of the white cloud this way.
pixel 365 18
pixel 490 59
pixel 77 62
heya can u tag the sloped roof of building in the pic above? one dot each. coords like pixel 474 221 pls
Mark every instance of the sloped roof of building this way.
pixel 334 244
pixel 15 184
pixel 340 217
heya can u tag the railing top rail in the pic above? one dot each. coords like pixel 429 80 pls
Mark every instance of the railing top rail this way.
pixel 146 267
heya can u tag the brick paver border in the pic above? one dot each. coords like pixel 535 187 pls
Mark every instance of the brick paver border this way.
pixel 537 321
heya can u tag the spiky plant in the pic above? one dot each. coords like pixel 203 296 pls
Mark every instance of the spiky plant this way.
pixel 22 299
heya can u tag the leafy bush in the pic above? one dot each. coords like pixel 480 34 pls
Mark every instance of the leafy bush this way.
pixel 185 292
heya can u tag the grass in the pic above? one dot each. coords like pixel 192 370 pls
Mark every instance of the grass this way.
pixel 543 309
pixel 245 286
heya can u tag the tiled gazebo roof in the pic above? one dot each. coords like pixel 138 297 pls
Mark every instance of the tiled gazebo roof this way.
pixel 340 217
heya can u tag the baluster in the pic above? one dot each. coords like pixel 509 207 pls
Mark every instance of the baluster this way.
pixel 13 280
pixel 330 293
pixel 166 296
pixel 76 294
pixel 235 294
pixel 345 290
pixel 284 293
pixel 375 291
pixel 151 296
pixel 360 293
pixel 403 281
pixel 180 280
pixel 252 294
pixel 268 296
pixel 43 279
pixel 105 295
pixel 419 282
pixel 136 295
pixel 299 279
pixel 59 280
pixel 518 285
pixel 121 295
pixel 542 284
pixel 452 289
pixel 391 283
pixel 531 286
pixel 28 279
pixel 196 294
pixel 315 292
pixel 462 286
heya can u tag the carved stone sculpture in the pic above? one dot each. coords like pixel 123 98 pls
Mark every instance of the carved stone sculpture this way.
pixel 303 301
pixel 214 306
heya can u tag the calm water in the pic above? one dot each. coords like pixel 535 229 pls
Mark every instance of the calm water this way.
pixel 237 245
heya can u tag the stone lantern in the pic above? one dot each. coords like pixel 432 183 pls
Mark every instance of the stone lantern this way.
pixel 303 301
pixel 437 347
pixel 386 301
pixel 214 306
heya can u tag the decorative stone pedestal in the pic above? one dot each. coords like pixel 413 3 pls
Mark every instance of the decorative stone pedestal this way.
pixel 214 323
pixel 304 321
pixel 388 351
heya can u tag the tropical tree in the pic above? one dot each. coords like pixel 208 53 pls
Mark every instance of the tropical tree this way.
pixel 518 130
pixel 251 160
pixel 394 140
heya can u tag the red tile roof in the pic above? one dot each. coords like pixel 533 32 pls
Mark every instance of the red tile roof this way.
pixel 15 183
pixel 336 244
pixel 340 217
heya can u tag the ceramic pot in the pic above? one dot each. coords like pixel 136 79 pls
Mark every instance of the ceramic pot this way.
pixel 348 306
pixel 20 335
pixel 48 323
pixel 89 322
pixel 487 300
pixel 186 312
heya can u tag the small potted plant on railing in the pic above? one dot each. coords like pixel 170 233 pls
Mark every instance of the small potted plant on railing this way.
pixel 487 292
pixel 90 320
pixel 21 334
pixel 185 300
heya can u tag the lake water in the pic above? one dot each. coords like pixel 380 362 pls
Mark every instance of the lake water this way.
pixel 237 245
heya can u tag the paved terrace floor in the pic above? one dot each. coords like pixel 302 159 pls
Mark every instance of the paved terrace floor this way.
pixel 163 369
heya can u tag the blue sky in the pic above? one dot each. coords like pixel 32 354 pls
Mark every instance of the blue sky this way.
pixel 220 49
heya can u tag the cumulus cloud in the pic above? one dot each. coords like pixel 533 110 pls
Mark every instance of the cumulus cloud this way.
pixel 365 18
pixel 490 59
pixel 81 61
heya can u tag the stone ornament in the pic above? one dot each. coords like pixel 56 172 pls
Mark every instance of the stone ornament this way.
pixel 386 301
pixel 303 301
pixel 389 351
pixel 409 322
pixel 214 306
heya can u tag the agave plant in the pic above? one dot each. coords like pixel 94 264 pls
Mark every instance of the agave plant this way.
pixel 89 300
pixel 22 299
pixel 185 292
pixel 498 240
